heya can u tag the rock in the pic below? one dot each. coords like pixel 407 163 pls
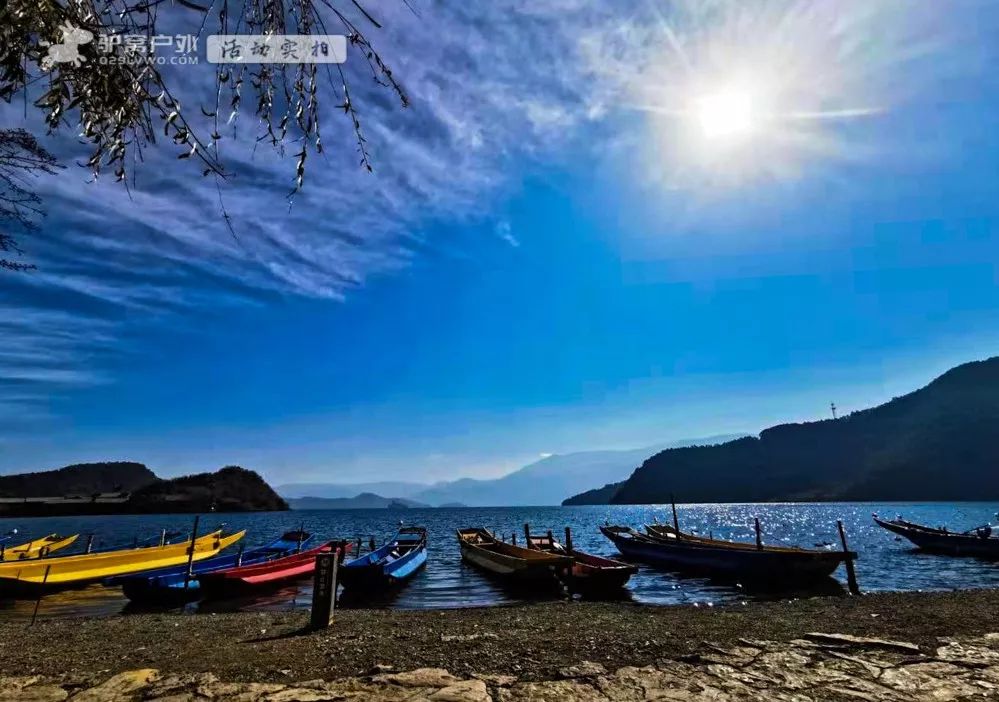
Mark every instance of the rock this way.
pixel 302 694
pixel 464 691
pixel 969 654
pixel 496 680
pixel 120 687
pixel 586 669
pixel 863 642
pixel 421 677
pixel 557 691
pixel 243 692
pixel 34 693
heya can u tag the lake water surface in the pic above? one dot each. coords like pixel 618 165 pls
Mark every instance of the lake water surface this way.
pixel 884 564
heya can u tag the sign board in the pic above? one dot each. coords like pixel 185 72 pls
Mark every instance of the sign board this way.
pixel 324 589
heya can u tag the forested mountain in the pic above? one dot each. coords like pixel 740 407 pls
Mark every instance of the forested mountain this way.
pixel 231 489
pixel 937 443
pixel 82 479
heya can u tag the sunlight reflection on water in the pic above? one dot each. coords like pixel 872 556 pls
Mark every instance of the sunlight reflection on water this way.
pixel 884 563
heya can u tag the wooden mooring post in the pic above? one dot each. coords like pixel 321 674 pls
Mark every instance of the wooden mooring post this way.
pixel 527 535
pixel 851 574
pixel 41 593
pixel 568 539
pixel 324 589
pixel 676 521
pixel 190 552
pixel 759 533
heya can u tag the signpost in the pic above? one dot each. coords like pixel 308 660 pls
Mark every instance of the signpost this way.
pixel 324 589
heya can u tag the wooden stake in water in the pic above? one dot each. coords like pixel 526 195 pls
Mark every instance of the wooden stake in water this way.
pixel 759 533
pixel 527 535
pixel 41 592
pixel 851 575
pixel 676 522
pixel 301 536
pixel 190 552
pixel 568 539
pixel 513 538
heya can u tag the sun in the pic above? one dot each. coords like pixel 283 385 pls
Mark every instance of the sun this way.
pixel 726 114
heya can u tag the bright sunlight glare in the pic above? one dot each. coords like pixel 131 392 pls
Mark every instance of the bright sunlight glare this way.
pixel 726 114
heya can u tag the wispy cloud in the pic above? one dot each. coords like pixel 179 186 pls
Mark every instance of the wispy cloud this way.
pixel 496 89
pixel 504 232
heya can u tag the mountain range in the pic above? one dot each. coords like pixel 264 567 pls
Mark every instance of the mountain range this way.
pixel 936 443
pixel 547 481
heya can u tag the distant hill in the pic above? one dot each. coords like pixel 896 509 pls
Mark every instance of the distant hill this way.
pixel 131 488
pixel 549 480
pixel 597 496
pixel 545 482
pixel 386 487
pixel 231 489
pixel 937 443
pixel 80 479
pixel 365 500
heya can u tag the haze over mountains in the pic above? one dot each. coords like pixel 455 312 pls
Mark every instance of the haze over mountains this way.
pixel 547 481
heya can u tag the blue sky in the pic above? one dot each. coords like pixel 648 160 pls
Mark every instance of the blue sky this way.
pixel 549 257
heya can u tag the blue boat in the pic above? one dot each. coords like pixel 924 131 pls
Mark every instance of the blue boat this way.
pixel 393 563
pixel 175 585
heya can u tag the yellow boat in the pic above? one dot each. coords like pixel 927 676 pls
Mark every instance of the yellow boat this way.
pixel 89 567
pixel 38 548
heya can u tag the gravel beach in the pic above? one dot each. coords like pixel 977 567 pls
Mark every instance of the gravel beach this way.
pixel 530 642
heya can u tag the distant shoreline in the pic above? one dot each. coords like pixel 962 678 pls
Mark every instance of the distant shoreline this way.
pixel 33 510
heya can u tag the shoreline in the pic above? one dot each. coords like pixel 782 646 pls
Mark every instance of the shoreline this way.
pixel 528 641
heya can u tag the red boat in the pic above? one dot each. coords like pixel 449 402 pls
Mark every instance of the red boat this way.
pixel 274 573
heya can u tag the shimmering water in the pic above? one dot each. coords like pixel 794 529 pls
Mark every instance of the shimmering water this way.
pixel 884 564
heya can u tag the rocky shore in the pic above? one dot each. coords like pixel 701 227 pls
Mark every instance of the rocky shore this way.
pixel 908 646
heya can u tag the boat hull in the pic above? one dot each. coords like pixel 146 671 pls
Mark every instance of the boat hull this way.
pixel 944 543
pixel 735 563
pixel 391 565
pixel 274 574
pixel 511 562
pixel 171 586
pixel 30 577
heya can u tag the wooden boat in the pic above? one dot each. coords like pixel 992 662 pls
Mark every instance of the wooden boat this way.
pixel 979 542
pixel 67 571
pixel 280 571
pixel 396 561
pixel 37 548
pixel 479 548
pixel 766 564
pixel 590 573
pixel 180 584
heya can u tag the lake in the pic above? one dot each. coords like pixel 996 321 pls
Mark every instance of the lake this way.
pixel 884 563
